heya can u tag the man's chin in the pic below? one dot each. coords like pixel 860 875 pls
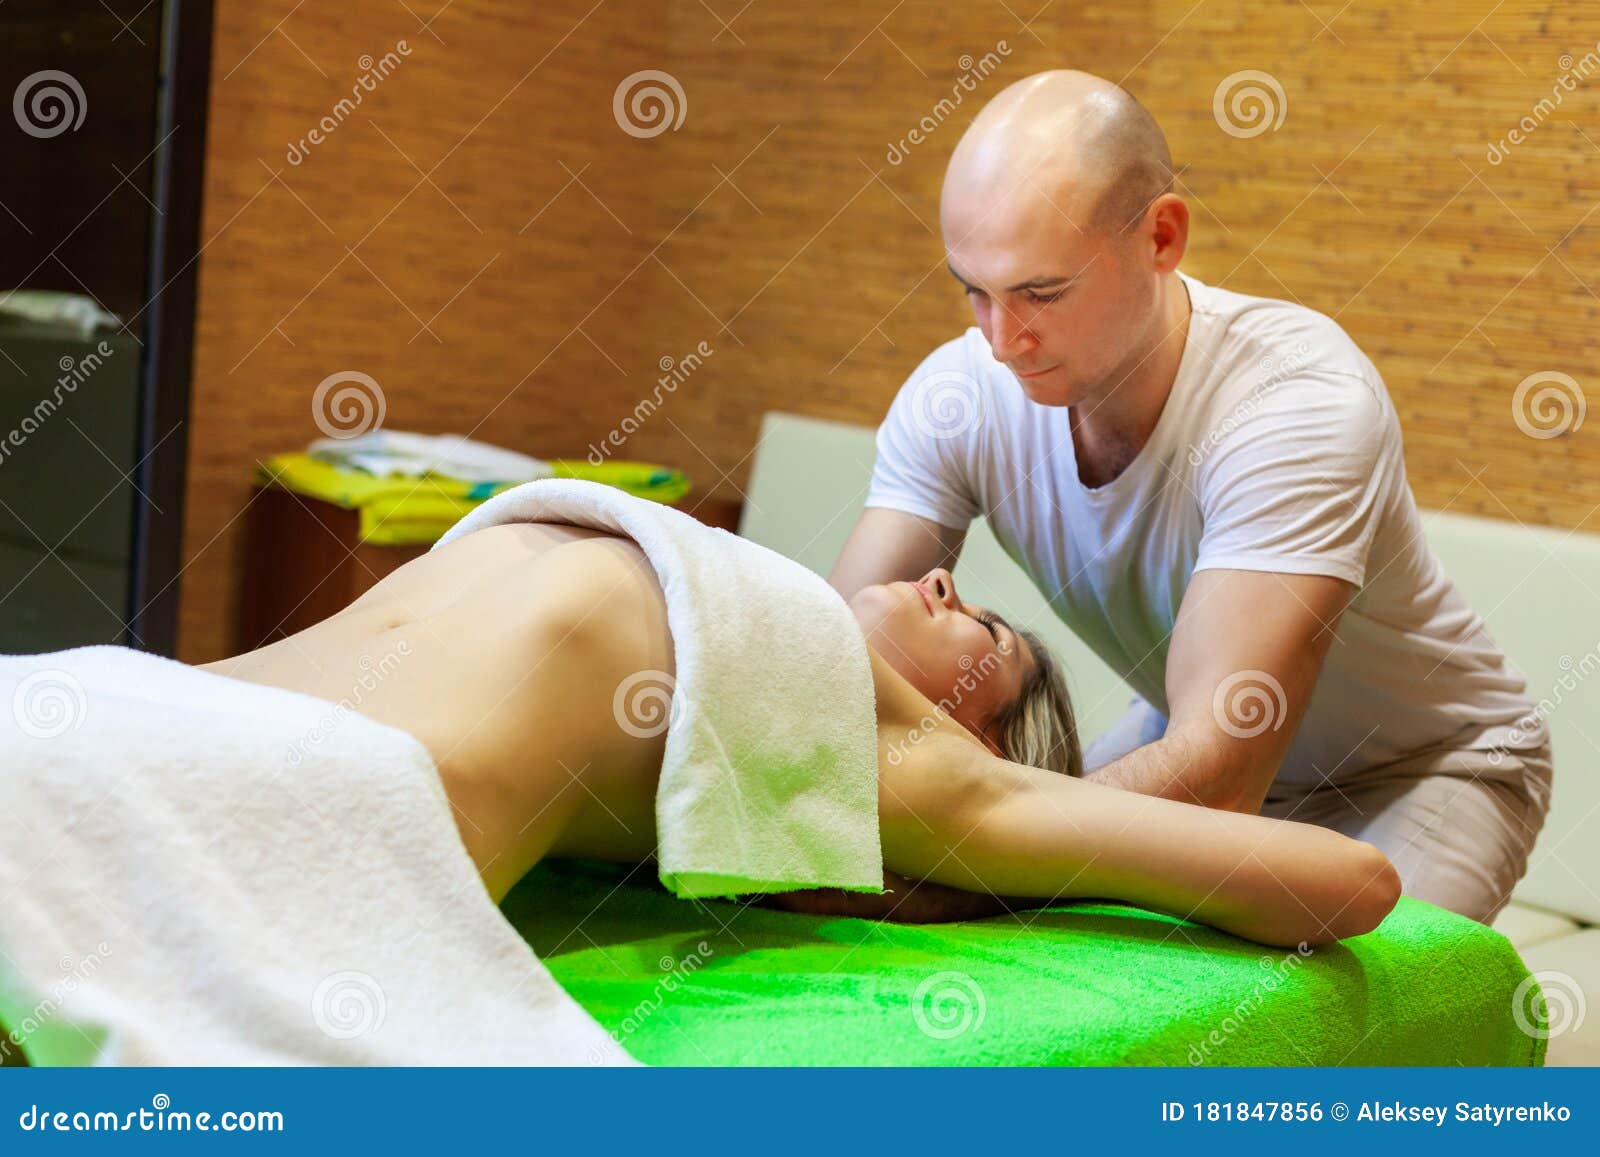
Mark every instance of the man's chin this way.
pixel 1052 390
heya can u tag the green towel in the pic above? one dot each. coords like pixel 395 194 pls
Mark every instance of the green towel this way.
pixel 715 983
pixel 399 510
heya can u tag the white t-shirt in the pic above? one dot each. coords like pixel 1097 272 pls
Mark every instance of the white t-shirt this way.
pixel 1278 449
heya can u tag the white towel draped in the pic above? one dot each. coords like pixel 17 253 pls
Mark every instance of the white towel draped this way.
pixel 199 870
pixel 769 781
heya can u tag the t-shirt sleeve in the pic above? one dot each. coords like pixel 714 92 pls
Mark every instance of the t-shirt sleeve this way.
pixel 927 443
pixel 1297 483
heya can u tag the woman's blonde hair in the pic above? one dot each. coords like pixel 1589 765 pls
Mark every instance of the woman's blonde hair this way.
pixel 1038 728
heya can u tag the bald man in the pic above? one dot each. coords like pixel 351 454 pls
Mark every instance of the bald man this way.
pixel 1209 490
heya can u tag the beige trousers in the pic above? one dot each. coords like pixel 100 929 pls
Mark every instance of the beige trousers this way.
pixel 1457 825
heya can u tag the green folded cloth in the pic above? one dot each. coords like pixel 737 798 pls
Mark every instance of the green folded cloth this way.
pixel 405 510
pixel 715 983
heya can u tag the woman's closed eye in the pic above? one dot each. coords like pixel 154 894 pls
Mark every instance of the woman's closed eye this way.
pixel 1005 643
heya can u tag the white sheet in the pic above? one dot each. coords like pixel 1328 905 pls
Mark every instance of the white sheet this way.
pixel 198 870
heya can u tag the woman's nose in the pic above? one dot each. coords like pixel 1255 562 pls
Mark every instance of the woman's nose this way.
pixel 943 586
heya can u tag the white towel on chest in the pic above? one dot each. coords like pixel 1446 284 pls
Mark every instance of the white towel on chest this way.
pixel 769 780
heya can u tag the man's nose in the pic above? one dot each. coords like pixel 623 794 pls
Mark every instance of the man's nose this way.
pixel 943 585
pixel 1008 337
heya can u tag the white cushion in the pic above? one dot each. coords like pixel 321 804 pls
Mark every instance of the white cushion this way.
pixel 1525 926
pixel 1568 970
pixel 1537 588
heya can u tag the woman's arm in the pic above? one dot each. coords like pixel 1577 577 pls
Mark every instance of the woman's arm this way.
pixel 958 816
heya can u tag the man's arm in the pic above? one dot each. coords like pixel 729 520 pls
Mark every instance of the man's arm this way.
pixel 1246 652
pixel 889 545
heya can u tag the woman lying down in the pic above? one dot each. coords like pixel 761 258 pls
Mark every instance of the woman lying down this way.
pixel 520 637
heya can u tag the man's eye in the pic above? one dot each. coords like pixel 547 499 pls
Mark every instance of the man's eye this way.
pixel 974 291
pixel 1046 299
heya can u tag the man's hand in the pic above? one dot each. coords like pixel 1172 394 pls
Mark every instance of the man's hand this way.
pixel 889 545
pixel 1246 652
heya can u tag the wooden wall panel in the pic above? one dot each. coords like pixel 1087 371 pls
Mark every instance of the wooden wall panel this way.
pixel 476 298
pixel 772 225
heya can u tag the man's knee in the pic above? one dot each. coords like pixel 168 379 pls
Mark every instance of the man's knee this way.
pixel 1473 891
pixel 1460 844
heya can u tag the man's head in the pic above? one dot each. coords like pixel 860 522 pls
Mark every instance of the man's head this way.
pixel 1060 221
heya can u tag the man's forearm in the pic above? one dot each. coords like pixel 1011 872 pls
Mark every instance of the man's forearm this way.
pixel 1175 767
pixel 886 545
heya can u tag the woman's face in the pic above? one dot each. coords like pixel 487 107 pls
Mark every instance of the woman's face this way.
pixel 958 655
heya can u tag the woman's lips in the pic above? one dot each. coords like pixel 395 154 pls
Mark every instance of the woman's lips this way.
pixel 927 596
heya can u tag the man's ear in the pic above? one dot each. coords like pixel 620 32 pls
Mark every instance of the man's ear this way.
pixel 1170 231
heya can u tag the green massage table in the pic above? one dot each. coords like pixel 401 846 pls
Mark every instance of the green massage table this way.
pixel 720 983
pixel 1084 984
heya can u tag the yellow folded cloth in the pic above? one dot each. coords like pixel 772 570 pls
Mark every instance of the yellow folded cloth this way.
pixel 404 510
